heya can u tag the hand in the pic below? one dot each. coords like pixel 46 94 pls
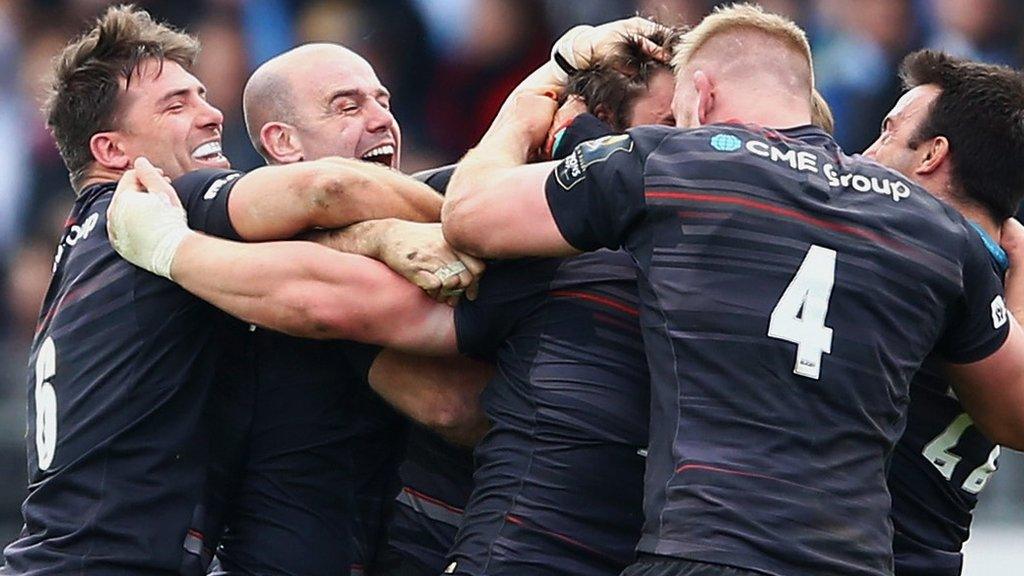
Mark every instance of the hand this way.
pixel 522 126
pixel 1011 238
pixel 419 253
pixel 583 46
pixel 146 228
pixel 573 107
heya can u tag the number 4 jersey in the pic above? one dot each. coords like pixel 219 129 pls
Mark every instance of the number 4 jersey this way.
pixel 119 376
pixel 788 292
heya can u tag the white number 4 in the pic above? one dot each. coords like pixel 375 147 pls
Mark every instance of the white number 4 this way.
pixel 799 317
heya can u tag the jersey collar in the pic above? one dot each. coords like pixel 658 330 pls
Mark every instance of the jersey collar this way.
pixel 994 250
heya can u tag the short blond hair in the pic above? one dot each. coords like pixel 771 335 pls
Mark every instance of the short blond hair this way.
pixel 741 17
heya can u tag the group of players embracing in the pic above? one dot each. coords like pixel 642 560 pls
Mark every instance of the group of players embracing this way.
pixel 707 342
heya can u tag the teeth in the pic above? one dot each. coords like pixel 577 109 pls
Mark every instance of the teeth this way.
pixel 380 151
pixel 208 149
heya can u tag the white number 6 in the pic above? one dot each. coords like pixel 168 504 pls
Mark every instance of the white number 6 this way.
pixel 46 404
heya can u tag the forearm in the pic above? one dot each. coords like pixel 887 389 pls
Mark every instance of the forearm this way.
pixel 364 238
pixel 306 290
pixel 279 202
pixel 440 393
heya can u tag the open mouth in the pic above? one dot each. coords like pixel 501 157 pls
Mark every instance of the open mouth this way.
pixel 209 152
pixel 382 155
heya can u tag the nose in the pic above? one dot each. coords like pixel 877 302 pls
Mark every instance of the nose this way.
pixel 872 150
pixel 209 116
pixel 379 117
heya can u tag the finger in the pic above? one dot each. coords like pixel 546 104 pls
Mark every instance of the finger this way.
pixel 475 265
pixel 653 50
pixel 473 289
pixel 427 281
pixel 154 182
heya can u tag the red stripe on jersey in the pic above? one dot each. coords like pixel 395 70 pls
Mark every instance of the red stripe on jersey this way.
pixel 604 300
pixel 771 209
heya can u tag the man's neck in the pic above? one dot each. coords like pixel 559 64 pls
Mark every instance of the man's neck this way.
pixel 98 175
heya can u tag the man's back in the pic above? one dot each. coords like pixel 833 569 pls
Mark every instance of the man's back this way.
pixel 789 292
pixel 119 374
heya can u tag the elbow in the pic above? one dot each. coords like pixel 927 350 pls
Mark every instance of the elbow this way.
pixel 461 220
pixel 459 421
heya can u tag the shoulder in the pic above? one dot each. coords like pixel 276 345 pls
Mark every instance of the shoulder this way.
pixel 207 182
pixel 436 178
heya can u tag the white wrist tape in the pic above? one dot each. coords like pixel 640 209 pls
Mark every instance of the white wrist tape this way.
pixel 564 49
pixel 147 230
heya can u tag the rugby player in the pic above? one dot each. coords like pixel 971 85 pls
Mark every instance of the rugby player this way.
pixel 318 433
pixel 788 294
pixel 958 131
pixel 123 361
pixel 219 284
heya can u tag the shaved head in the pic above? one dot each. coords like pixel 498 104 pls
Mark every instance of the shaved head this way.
pixel 319 100
pixel 743 59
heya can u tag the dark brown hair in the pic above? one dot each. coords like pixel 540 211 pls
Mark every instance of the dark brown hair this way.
pixel 85 89
pixel 613 84
pixel 980 111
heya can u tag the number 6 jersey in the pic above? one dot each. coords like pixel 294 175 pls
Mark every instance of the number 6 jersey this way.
pixel 120 372
pixel 788 294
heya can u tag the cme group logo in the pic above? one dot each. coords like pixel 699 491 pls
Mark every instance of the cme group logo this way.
pixel 725 143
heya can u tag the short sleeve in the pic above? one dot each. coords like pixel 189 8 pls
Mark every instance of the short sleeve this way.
pixel 979 320
pixel 360 357
pixel 509 291
pixel 204 193
pixel 596 194
pixel 583 128
pixel 436 178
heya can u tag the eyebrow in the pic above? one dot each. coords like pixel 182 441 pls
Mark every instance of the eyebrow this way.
pixel 177 94
pixel 355 92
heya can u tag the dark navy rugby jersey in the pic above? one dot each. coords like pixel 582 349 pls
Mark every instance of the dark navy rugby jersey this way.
pixel 558 481
pixel 789 293
pixel 436 478
pixel 939 467
pixel 318 467
pixel 119 376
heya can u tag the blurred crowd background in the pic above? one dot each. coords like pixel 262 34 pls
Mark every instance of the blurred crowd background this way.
pixel 448 64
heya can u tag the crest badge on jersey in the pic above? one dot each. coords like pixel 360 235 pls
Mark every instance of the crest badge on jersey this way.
pixel 572 170
pixel 999 314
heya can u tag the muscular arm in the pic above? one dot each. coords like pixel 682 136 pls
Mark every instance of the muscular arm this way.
pixel 311 291
pixel 278 202
pixel 496 206
pixel 992 390
pixel 440 393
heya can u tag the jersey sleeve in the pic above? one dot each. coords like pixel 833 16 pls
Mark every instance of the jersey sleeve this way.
pixel 596 194
pixel 583 128
pixel 979 322
pixel 204 193
pixel 360 356
pixel 436 178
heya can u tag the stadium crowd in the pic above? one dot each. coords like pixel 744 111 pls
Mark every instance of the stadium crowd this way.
pixel 448 64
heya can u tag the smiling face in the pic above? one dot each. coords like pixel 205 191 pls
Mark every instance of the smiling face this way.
pixel 164 116
pixel 342 109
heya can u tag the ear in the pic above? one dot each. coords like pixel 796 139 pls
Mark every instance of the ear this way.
pixel 281 142
pixel 705 101
pixel 108 151
pixel 935 154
